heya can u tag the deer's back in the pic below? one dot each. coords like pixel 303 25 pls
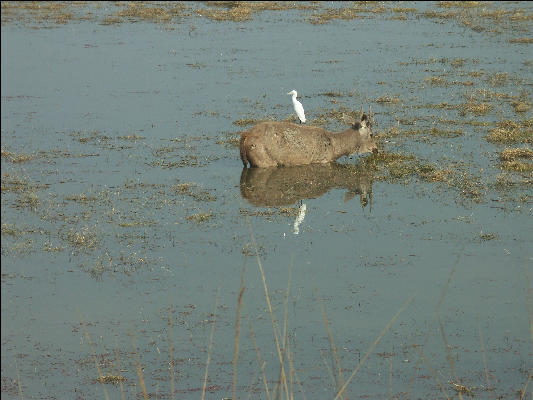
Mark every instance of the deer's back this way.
pixel 271 144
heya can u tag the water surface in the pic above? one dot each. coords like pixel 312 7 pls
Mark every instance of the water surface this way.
pixel 124 218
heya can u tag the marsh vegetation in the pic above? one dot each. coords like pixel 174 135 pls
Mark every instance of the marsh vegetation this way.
pixel 140 260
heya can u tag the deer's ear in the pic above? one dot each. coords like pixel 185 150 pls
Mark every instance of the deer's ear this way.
pixel 364 120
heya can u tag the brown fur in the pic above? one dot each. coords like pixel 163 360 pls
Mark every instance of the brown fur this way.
pixel 273 144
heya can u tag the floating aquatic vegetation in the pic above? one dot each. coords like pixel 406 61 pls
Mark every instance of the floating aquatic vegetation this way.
pixel 331 94
pixel 355 10
pixel 433 131
pixel 239 11
pixel 511 154
pixel 140 11
pixel 521 106
pixel 200 217
pixel 498 79
pixel 517 166
pixel 387 100
pixel 10 229
pixel 190 189
pixel 523 40
pixel 509 160
pixel 508 131
pixel 439 81
pixel 114 379
pixel 475 107
pixel 17 158
pixel 246 121
pixel 85 239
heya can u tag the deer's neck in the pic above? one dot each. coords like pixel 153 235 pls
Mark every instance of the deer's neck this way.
pixel 345 143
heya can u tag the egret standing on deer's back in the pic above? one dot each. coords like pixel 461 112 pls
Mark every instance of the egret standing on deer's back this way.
pixel 298 108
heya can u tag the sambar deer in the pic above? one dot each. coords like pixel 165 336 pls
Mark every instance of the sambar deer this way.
pixel 273 144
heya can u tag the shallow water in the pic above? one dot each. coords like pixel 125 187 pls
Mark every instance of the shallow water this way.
pixel 128 127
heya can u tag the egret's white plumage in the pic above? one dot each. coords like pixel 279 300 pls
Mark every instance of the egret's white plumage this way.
pixel 298 108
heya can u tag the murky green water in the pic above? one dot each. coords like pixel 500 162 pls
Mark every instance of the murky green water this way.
pixel 125 206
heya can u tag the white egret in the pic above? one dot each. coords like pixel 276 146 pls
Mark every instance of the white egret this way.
pixel 298 108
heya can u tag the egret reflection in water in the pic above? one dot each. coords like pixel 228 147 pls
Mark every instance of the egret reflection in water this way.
pixel 299 219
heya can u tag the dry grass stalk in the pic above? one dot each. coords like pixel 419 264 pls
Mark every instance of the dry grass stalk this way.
pixel 19 384
pixel 529 304
pixel 460 389
pixel 286 305
pixel 524 390
pixel 261 364
pixel 295 375
pixel 441 299
pixel 482 345
pixel 210 344
pixel 432 371
pixel 238 328
pixel 170 348
pixel 273 320
pixel 328 367
pixel 373 345
pixel 390 374
pixel 93 352
pixel 285 341
pixel 449 356
pixel 139 369
pixel 291 370
pixel 117 355
pixel 530 315
pixel 338 378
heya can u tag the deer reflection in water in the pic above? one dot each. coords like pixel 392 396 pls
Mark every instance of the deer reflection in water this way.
pixel 271 187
